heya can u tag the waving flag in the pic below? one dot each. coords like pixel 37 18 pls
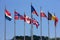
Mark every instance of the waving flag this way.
pixel 21 17
pixel 16 15
pixel 27 19
pixel 33 10
pixel 8 15
pixel 49 16
pixel 52 17
pixel 35 22
pixel 42 14
pixel 56 21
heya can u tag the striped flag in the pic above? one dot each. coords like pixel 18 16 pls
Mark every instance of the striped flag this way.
pixel 8 15
pixel 35 22
pixel 56 21
pixel 52 17
pixel 49 16
pixel 28 20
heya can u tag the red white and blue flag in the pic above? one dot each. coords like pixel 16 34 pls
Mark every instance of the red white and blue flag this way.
pixel 33 10
pixel 21 17
pixel 29 21
pixel 35 22
pixel 16 15
pixel 8 15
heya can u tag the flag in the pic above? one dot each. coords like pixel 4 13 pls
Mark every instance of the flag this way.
pixel 49 16
pixel 27 19
pixel 16 15
pixel 56 21
pixel 52 17
pixel 35 22
pixel 33 10
pixel 8 15
pixel 21 17
pixel 42 14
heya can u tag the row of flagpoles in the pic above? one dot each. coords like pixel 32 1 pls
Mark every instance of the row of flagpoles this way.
pixel 29 20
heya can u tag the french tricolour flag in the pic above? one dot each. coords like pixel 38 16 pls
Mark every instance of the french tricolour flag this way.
pixel 8 15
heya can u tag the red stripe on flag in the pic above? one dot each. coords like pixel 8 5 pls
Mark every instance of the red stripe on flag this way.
pixel 7 12
pixel 34 12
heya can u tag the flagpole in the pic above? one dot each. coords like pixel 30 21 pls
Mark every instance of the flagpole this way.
pixel 55 33
pixel 31 26
pixel 31 29
pixel 24 28
pixel 55 28
pixel 5 23
pixel 14 29
pixel 48 31
pixel 5 28
pixel 40 26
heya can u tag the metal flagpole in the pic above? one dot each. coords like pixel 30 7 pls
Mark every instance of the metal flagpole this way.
pixel 31 30
pixel 55 29
pixel 48 31
pixel 5 28
pixel 5 23
pixel 40 25
pixel 55 33
pixel 14 29
pixel 31 26
pixel 24 26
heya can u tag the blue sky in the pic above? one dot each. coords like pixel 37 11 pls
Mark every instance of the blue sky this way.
pixel 22 6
